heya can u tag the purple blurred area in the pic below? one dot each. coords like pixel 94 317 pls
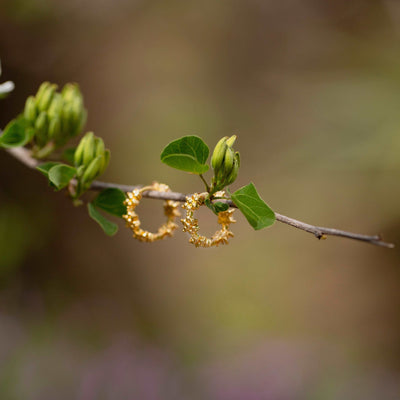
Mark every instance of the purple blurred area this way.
pixel 312 90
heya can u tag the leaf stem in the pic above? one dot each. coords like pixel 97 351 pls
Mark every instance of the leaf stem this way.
pixel 205 182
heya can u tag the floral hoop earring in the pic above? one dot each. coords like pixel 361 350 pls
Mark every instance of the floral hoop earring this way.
pixel 191 224
pixel 133 221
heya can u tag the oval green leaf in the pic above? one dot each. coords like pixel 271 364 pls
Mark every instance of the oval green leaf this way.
pixel 60 175
pixel 46 167
pixel 253 207
pixel 219 206
pixel 108 227
pixel 188 153
pixel 112 201
pixel 17 133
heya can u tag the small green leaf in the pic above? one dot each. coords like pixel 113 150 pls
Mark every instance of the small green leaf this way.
pixel 216 207
pixel 108 227
pixel 253 207
pixel 220 206
pixel 17 133
pixel 111 200
pixel 188 153
pixel 46 167
pixel 60 175
pixel 210 205
pixel 68 155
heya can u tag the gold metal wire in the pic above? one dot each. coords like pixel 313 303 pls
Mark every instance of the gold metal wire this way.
pixel 132 219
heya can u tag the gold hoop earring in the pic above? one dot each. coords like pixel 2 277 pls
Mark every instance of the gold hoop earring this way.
pixel 133 221
pixel 191 224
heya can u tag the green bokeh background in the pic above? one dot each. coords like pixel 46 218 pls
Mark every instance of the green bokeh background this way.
pixel 312 89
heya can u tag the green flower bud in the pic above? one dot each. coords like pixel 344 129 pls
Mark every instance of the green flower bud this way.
pixel 235 170
pixel 81 121
pixel 42 88
pixel 106 161
pixel 70 91
pixel 56 106
pixel 92 170
pixel 54 130
pixel 99 147
pixel 80 170
pixel 217 157
pixel 41 129
pixel 78 155
pixel 30 111
pixel 89 149
pixel 77 115
pixel 228 161
pixel 65 115
pixel 67 122
pixel 230 142
pixel 44 101
pixel 237 158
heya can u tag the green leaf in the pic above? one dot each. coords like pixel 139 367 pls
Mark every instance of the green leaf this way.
pixel 68 155
pixel 60 175
pixel 216 207
pixel 17 133
pixel 46 167
pixel 111 200
pixel 220 206
pixel 188 153
pixel 253 207
pixel 108 227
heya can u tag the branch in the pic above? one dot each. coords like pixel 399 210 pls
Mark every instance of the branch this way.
pixel 23 155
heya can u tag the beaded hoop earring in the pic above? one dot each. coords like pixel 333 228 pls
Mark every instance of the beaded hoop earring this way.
pixel 133 221
pixel 191 224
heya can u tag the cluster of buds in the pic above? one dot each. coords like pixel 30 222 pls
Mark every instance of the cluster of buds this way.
pixel 91 160
pixel 55 116
pixel 225 162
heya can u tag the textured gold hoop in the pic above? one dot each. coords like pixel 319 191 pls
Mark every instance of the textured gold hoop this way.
pixel 191 224
pixel 133 221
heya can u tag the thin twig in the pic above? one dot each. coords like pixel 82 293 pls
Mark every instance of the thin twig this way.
pixel 23 155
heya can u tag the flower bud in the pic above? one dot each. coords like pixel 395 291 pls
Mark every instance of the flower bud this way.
pixel 78 155
pixel 230 142
pixel 105 161
pixel 228 161
pixel 42 88
pixel 89 149
pixel 99 147
pixel 30 110
pixel 78 116
pixel 228 166
pixel 41 127
pixel 92 170
pixel 54 130
pixel 56 106
pixel 44 101
pixel 235 170
pixel 70 91
pixel 217 157
pixel 67 121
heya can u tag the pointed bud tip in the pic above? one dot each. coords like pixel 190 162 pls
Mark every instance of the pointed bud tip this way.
pixel 230 142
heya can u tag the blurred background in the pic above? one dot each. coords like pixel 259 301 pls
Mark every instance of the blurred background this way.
pixel 312 89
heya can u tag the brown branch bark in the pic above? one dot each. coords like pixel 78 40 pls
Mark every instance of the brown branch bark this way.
pixel 23 155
